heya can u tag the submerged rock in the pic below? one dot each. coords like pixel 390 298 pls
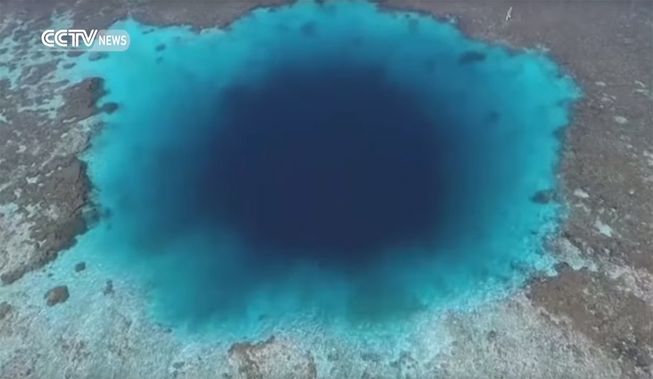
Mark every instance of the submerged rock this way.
pixel 543 197
pixel 11 276
pixel 109 108
pixel 108 288
pixel 5 308
pixel 257 359
pixel 96 56
pixel 471 57
pixel 57 295
pixel 81 266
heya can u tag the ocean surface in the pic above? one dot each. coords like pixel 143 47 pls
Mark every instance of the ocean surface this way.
pixel 322 166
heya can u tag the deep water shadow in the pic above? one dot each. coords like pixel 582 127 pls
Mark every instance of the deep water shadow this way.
pixel 330 164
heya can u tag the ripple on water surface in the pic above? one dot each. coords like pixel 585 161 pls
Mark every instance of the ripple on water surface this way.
pixel 323 162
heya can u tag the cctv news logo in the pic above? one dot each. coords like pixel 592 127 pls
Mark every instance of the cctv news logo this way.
pixel 80 39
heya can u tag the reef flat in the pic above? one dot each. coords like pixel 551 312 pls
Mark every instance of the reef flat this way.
pixel 603 277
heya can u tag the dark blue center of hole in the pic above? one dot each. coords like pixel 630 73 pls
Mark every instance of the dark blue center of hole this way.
pixel 328 164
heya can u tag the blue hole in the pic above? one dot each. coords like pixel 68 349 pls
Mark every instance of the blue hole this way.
pixel 323 161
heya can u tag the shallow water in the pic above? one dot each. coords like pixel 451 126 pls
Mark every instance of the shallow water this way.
pixel 323 165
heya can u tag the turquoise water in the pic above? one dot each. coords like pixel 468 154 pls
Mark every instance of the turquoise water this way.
pixel 325 165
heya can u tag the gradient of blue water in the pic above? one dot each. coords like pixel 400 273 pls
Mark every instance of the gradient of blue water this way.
pixel 506 107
